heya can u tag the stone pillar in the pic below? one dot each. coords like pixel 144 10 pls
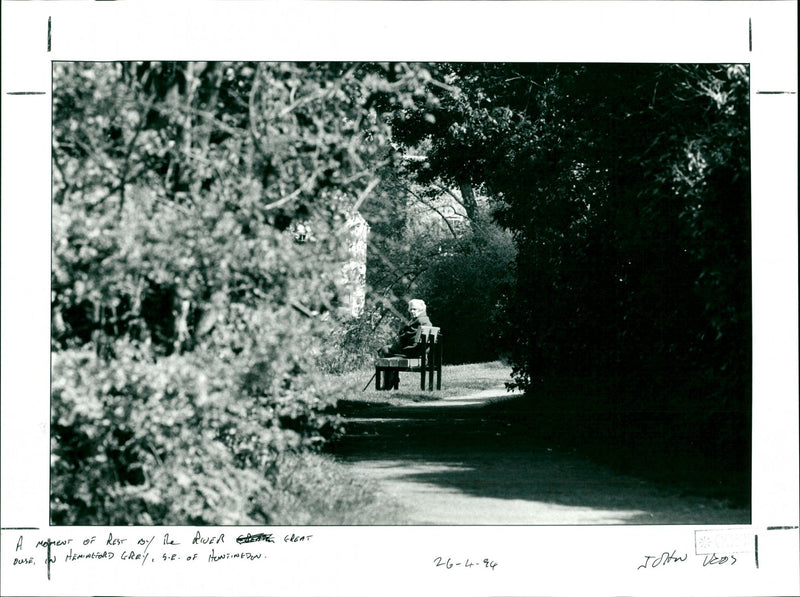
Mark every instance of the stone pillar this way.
pixel 354 271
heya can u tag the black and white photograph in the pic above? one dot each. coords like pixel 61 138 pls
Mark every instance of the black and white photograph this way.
pixel 239 247
pixel 330 300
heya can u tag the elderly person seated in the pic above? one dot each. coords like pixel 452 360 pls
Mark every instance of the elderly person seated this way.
pixel 404 345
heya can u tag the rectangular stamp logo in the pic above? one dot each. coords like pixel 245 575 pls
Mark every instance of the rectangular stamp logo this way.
pixel 710 541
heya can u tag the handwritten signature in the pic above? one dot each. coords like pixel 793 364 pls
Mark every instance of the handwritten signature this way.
pixel 713 559
pixel 662 560
pixel 666 558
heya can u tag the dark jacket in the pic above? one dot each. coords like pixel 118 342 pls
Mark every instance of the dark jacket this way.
pixel 406 337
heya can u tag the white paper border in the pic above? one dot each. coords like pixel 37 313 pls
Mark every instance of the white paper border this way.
pixel 397 560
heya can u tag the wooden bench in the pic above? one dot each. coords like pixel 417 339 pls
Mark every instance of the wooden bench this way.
pixel 429 338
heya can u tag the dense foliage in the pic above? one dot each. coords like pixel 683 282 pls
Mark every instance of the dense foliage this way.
pixel 190 306
pixel 427 242
pixel 627 188
pixel 463 287
pixel 199 232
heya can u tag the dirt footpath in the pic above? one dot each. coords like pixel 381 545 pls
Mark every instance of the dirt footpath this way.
pixel 451 462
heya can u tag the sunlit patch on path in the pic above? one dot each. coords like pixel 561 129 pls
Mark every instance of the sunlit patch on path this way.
pixel 477 399
pixel 431 502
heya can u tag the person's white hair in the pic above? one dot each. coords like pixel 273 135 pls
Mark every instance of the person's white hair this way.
pixel 417 303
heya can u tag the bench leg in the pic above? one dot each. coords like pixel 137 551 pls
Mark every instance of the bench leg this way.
pixel 438 378
pixel 386 379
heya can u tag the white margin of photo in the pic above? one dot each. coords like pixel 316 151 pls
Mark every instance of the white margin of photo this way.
pixel 532 560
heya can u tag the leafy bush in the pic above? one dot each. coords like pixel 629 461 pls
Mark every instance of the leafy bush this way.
pixel 136 443
pixel 186 305
pixel 353 344
pixel 167 443
pixel 185 439
pixel 462 289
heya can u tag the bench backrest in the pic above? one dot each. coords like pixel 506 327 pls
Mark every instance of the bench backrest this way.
pixel 428 338
pixel 428 333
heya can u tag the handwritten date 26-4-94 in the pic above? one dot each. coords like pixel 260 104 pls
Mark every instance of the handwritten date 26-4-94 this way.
pixel 451 563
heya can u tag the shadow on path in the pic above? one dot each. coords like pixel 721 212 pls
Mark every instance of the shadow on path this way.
pixel 455 462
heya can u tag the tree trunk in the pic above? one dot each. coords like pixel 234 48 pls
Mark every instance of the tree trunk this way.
pixel 468 198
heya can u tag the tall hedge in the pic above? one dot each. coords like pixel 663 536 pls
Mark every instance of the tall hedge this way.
pixel 627 190
pixel 189 309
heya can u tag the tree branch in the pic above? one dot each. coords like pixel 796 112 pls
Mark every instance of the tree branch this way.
pixel 372 184
pixel 123 176
pixel 436 210
pixel 294 194
pixel 451 193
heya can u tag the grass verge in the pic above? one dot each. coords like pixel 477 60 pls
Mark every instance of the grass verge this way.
pixel 457 380
pixel 314 489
